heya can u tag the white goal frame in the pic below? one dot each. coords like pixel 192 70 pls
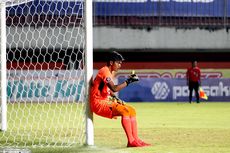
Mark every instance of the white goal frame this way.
pixel 89 69
pixel 88 59
pixel 3 67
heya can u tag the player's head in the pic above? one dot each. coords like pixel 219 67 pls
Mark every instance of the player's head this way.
pixel 194 63
pixel 114 59
pixel 114 56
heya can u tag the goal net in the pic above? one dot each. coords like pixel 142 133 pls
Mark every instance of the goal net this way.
pixel 46 73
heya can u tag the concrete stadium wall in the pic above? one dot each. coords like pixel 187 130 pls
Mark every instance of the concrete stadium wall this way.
pixel 122 38
pixel 160 38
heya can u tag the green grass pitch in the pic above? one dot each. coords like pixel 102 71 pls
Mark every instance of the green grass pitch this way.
pixel 169 127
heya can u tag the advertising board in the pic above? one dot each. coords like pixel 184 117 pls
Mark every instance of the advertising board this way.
pixel 173 90
pixel 45 86
pixel 185 8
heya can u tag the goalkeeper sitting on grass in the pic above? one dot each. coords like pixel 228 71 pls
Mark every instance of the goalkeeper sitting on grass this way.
pixel 104 103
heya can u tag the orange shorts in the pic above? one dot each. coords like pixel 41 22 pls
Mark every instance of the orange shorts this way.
pixel 110 109
pixel 123 110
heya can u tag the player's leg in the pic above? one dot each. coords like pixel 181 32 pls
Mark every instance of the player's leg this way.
pixel 126 124
pixel 125 112
pixel 190 91
pixel 196 88
pixel 133 121
pixel 134 126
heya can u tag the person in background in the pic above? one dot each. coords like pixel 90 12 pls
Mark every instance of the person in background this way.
pixel 103 101
pixel 193 80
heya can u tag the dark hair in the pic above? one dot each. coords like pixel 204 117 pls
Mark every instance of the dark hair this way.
pixel 194 60
pixel 115 56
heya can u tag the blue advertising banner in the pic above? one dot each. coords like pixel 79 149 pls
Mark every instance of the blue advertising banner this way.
pixel 45 86
pixel 173 90
pixel 189 8
pixel 186 8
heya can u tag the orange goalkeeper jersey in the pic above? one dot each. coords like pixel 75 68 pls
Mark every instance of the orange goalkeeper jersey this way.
pixel 99 95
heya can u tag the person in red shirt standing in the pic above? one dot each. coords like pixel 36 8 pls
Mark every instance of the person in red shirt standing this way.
pixel 103 101
pixel 193 81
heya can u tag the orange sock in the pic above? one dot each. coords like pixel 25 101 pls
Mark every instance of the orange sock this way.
pixel 126 123
pixel 134 128
pixel 135 134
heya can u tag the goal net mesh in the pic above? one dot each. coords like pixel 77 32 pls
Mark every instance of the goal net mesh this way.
pixel 45 73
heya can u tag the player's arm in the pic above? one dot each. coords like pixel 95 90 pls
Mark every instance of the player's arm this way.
pixel 199 77
pixel 116 88
pixel 132 78
pixel 187 76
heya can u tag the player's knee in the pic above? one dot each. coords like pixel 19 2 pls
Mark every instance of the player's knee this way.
pixel 128 111
pixel 132 111
pixel 125 112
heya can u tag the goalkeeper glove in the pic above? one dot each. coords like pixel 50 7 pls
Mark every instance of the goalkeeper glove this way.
pixel 132 78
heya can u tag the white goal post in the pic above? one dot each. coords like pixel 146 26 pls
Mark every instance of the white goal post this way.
pixel 46 72
pixel 3 67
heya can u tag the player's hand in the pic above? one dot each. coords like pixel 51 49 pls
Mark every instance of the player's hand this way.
pixel 132 78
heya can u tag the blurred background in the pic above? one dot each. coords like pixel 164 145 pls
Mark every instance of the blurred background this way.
pixel 158 39
pixel 172 32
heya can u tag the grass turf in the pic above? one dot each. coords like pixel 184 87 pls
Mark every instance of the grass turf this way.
pixel 172 128
pixel 169 127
